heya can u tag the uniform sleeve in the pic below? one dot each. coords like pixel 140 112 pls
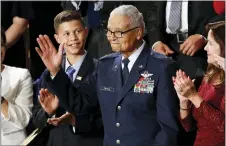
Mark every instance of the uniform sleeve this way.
pixel 20 111
pixel 167 109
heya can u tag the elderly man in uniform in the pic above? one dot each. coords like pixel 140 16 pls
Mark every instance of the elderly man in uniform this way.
pixel 132 88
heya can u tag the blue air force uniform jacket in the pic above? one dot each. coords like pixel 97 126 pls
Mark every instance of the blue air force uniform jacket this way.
pixel 143 112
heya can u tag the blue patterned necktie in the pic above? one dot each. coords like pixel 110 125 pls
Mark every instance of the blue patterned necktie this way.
pixel 70 71
pixel 125 71
pixel 174 23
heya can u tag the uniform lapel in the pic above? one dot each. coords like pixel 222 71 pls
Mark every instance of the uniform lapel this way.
pixel 135 72
pixel 116 72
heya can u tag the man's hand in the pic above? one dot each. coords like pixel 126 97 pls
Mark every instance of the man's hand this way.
pixel 67 118
pixel 192 45
pixel 162 48
pixel 48 101
pixel 50 57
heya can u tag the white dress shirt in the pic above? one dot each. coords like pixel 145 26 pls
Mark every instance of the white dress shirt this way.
pixel 133 57
pixel 184 16
pixel 16 88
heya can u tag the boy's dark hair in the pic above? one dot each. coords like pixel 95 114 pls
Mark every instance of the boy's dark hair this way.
pixel 3 37
pixel 66 16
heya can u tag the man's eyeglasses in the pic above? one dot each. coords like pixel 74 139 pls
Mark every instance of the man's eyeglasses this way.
pixel 118 34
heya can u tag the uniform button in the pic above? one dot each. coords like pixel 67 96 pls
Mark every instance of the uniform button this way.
pixel 117 124
pixel 117 141
pixel 119 108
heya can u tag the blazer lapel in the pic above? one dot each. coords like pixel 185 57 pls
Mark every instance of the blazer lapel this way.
pixel 135 73
pixel 86 64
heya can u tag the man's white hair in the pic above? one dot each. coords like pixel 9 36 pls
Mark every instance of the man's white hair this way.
pixel 136 18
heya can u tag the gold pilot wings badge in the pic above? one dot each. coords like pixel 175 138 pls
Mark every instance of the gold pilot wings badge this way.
pixel 145 84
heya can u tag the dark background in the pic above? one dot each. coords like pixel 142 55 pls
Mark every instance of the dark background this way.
pixel 44 12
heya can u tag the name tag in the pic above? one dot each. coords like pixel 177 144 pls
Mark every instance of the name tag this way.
pixel 108 89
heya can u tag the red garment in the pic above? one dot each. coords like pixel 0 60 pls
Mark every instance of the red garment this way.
pixel 219 7
pixel 209 118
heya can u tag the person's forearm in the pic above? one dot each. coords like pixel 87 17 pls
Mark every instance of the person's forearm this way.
pixel 196 100
pixel 14 32
pixel 185 109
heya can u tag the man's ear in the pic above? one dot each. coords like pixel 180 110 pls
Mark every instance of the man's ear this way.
pixel 57 38
pixel 140 33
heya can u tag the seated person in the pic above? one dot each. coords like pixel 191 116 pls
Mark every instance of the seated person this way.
pixel 16 100
pixel 78 65
pixel 205 109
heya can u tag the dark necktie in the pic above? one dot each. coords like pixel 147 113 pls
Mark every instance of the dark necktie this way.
pixel 174 23
pixel 125 71
pixel 70 71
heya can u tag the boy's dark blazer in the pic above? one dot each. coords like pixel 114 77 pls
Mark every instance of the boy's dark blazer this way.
pixel 90 131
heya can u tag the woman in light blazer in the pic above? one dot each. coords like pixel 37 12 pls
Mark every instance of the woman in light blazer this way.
pixel 16 101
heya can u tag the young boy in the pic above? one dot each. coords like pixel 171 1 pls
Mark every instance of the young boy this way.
pixel 79 65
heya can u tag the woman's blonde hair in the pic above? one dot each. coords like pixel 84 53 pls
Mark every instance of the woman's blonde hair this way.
pixel 215 74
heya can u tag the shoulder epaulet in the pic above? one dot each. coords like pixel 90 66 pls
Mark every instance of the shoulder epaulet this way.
pixel 112 55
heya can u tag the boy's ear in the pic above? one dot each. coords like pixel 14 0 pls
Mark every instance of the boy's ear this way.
pixel 57 38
